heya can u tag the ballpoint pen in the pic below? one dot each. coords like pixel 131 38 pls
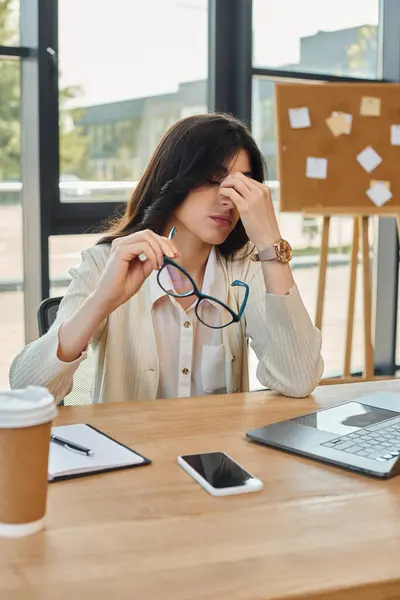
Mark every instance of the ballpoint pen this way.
pixel 71 445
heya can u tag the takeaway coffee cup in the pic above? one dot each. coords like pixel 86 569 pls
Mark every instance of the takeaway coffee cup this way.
pixel 25 424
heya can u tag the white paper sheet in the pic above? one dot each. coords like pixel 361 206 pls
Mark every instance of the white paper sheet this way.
pixel 299 118
pixel 395 135
pixel 379 193
pixel 316 168
pixel 369 159
pixel 107 453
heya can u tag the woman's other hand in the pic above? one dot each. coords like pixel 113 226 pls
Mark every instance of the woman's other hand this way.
pixel 131 261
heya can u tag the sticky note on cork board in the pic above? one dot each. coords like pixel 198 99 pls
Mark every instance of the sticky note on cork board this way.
pixel 316 168
pixel 338 124
pixel 379 194
pixel 299 118
pixel 370 107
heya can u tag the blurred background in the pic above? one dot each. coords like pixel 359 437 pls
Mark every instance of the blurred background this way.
pixel 86 90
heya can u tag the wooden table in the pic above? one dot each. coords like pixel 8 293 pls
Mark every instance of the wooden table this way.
pixel 314 531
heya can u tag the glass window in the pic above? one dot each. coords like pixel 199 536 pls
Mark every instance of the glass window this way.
pixel 304 233
pixel 11 256
pixel 65 253
pixel 9 22
pixel 122 84
pixel 264 122
pixel 338 38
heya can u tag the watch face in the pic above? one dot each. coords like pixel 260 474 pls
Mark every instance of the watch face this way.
pixel 284 251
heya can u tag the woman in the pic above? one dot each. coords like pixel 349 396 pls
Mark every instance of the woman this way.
pixel 204 181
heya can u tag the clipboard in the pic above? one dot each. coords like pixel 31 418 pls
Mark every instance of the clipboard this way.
pixel 108 454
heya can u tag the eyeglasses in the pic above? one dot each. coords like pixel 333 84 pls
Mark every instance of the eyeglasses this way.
pixel 205 304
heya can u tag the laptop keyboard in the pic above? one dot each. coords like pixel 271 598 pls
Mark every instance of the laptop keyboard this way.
pixel 380 442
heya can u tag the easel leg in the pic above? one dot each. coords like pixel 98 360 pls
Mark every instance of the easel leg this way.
pixel 369 353
pixel 323 263
pixel 352 296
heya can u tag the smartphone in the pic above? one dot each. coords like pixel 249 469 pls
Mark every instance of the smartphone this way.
pixel 219 474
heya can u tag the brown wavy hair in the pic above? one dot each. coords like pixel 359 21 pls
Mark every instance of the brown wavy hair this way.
pixel 192 153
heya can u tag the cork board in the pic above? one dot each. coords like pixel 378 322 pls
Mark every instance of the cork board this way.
pixel 343 190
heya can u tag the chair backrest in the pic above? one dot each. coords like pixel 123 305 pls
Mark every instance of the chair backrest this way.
pixel 47 313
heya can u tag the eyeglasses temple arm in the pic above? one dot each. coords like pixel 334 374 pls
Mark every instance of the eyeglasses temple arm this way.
pixel 237 283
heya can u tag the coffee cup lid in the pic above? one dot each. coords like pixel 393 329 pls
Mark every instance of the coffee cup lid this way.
pixel 31 406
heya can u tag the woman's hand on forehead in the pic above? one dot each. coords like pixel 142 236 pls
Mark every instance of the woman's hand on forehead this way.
pixel 254 203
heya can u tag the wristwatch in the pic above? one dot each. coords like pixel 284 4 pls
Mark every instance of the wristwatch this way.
pixel 281 251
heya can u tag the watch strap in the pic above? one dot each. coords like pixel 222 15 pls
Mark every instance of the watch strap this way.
pixel 266 254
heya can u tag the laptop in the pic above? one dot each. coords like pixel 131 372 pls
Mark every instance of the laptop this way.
pixel 361 435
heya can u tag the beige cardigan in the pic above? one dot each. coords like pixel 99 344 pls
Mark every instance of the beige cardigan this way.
pixel 282 335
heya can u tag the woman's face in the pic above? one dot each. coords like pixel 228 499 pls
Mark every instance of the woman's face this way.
pixel 206 213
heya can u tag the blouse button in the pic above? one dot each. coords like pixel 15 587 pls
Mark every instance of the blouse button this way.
pixel 185 371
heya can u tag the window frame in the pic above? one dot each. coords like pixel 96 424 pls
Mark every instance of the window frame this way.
pixel 230 77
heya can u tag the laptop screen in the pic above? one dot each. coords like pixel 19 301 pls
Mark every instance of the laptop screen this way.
pixel 346 418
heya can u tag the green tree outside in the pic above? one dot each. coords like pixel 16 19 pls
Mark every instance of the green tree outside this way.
pixel 358 54
pixel 74 141
pixel 9 97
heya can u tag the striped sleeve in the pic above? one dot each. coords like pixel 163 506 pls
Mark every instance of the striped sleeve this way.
pixel 38 363
pixel 287 344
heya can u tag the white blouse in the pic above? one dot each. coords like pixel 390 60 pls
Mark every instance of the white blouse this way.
pixel 190 354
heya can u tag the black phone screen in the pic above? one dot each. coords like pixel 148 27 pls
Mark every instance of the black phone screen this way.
pixel 217 469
